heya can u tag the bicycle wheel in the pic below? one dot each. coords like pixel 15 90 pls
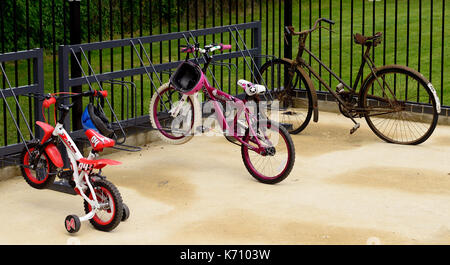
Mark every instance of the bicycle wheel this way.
pixel 294 98
pixel 111 206
pixel 174 130
pixel 390 105
pixel 37 169
pixel 277 160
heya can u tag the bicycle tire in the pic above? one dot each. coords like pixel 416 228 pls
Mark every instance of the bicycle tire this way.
pixel 257 173
pixel 113 193
pixel 37 182
pixel 300 116
pixel 165 134
pixel 410 128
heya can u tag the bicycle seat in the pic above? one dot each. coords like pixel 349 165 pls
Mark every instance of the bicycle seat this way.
pixel 250 88
pixel 98 141
pixel 368 40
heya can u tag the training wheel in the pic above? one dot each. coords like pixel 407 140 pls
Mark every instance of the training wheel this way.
pixel 126 212
pixel 72 223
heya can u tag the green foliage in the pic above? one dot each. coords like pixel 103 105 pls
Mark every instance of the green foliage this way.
pixel 46 23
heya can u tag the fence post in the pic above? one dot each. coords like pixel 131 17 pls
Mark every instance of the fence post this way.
pixel 287 22
pixel 38 78
pixel 75 38
pixel 257 44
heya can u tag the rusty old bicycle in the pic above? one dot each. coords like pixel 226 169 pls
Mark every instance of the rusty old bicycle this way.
pixel 390 97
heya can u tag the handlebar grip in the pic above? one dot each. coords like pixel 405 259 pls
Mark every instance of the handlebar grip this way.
pixel 102 93
pixel 187 49
pixel 48 102
pixel 225 47
pixel 328 21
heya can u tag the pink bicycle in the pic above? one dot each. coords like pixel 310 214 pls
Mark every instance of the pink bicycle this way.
pixel 176 112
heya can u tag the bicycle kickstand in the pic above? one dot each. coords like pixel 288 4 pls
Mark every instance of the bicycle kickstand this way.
pixel 356 126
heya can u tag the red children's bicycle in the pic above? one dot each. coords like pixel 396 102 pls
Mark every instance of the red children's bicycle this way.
pixel 42 162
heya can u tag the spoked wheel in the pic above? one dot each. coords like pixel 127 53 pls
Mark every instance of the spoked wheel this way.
pixel 37 169
pixel 390 111
pixel 290 90
pixel 111 206
pixel 276 161
pixel 173 130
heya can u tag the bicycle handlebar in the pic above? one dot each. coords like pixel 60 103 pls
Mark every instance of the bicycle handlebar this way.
pixel 50 99
pixel 208 48
pixel 290 29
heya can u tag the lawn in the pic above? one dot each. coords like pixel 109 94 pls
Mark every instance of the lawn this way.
pixel 417 49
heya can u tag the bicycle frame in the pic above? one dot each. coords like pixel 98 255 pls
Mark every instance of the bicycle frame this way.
pixel 80 171
pixel 302 63
pixel 216 95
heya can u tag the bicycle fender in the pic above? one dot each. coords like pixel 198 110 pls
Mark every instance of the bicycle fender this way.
pixel 55 156
pixel 311 89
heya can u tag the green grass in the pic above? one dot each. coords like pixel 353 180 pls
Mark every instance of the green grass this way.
pixel 335 49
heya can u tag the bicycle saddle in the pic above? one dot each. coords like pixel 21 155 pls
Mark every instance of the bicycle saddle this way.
pixel 98 141
pixel 250 88
pixel 371 40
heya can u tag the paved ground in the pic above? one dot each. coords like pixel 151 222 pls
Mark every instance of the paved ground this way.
pixel 344 189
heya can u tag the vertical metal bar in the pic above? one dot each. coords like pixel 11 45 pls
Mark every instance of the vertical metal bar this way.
pixel 41 28
pixel 122 58
pixel 320 44
pixel 2 29
pixel 373 27
pixel 384 30
pixel 330 41
pixel 420 43
pixel 395 31
pixel 75 38
pixel 442 52
pixel 160 32
pixel 245 39
pixel 213 11
pixel 279 29
pixel 100 33
pixel 221 40
pixel 55 87
pixel 16 68
pixel 141 33
pixel 229 39
pixel 64 22
pixel 351 43
pixel 288 22
pixel 169 22
pixel 2 25
pixel 431 40
pixel 38 78
pixel 178 29
pixel 27 22
pixel 407 42
pixel 111 51
pixel 340 38
pixel 310 26
pixel 267 27
pixel 88 3
pixel 150 11
pixel 131 4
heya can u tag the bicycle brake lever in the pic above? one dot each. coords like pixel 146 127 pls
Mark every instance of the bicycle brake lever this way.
pixel 285 39
pixel 330 30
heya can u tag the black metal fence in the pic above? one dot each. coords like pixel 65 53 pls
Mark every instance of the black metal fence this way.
pixel 414 34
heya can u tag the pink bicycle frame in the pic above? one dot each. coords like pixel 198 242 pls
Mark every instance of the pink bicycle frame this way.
pixel 215 95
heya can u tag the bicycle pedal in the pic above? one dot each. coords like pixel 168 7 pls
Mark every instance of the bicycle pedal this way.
pixel 66 173
pixel 356 127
